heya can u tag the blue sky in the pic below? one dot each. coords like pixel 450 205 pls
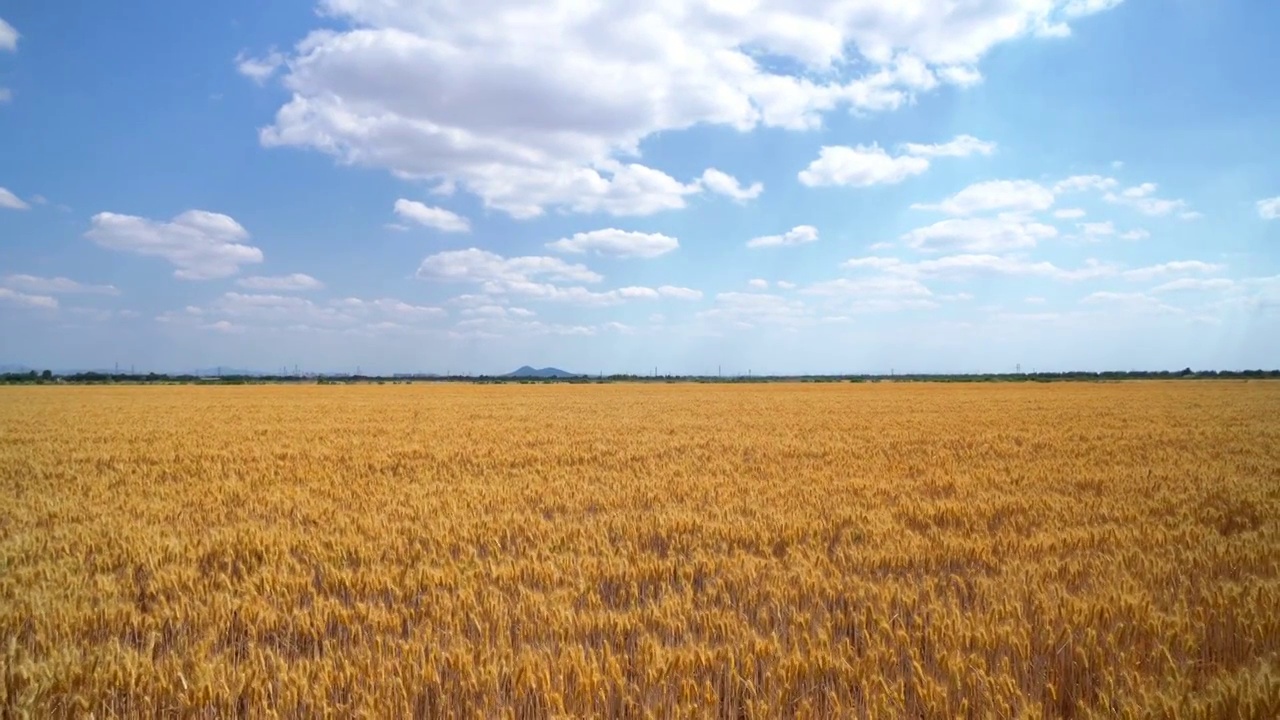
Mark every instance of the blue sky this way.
pixel 851 186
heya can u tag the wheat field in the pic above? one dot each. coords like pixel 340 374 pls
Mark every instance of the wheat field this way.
pixel 676 550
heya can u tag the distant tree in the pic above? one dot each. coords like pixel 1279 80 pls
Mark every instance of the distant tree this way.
pixel 47 375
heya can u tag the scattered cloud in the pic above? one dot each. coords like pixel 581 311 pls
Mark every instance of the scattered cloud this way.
pixel 861 166
pixel 259 69
pixel 749 309
pixel 758 284
pixel 1176 267
pixel 959 267
pixel 867 165
pixel 8 37
pixel 1069 214
pixel 11 201
pixel 1130 301
pixel 1194 284
pixel 798 235
pixel 1134 235
pixel 266 310
pixel 725 184
pixel 1034 300
pixel 1143 199
pixel 6 95
pixel 434 217
pixel 618 243
pixel 980 235
pixel 1269 209
pixel 784 285
pixel 281 283
pixel 20 299
pixel 202 245
pixel 1078 183
pixel 536 110
pixel 534 278
pixel 55 285
pixel 1020 196
pixel 1097 230
pixel 961 146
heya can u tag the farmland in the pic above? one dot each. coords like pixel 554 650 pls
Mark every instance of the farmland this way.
pixel 859 550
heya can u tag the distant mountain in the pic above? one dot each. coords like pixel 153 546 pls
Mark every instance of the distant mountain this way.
pixel 547 372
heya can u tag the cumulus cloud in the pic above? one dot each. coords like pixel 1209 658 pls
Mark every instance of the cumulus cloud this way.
pixel 1194 284
pixel 281 283
pixel 55 285
pixel 758 284
pixel 1069 213
pixel 618 243
pixel 259 69
pixel 534 278
pixel 1004 195
pixel 980 235
pixel 1269 209
pixel 1143 199
pixel 1079 183
pixel 797 235
pixel 1176 267
pixel 11 201
pixel 960 146
pixel 1135 235
pixel 434 217
pixel 528 113
pixel 725 184
pixel 202 245
pixel 861 166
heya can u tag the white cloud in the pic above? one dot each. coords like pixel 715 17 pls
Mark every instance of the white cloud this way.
pixel 1080 8
pixel 1131 301
pixel 55 285
pixel 973 265
pixel 1191 215
pixel 8 37
pixel 619 243
pixel 980 235
pixel 13 297
pixel 758 284
pixel 265 310
pixel 1134 235
pixel 438 218
pixel 784 285
pixel 201 245
pixel 5 95
pixel 396 227
pixel 960 146
pixel 1078 183
pixel 879 263
pixel 1034 300
pixel 1020 196
pixel 1269 209
pixel 899 287
pixel 1098 229
pixel 282 283
pixel 481 266
pixel 528 113
pixel 11 201
pixel 679 293
pixel 532 277
pixel 1176 267
pixel 1142 198
pixel 755 308
pixel 1069 214
pixel 1194 284
pixel 797 235
pixel 725 184
pixel 260 69
pixel 861 166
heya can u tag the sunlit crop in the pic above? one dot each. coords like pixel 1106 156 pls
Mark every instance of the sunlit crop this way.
pixel 802 550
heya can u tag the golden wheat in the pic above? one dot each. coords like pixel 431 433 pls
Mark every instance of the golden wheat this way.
pixel 890 550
